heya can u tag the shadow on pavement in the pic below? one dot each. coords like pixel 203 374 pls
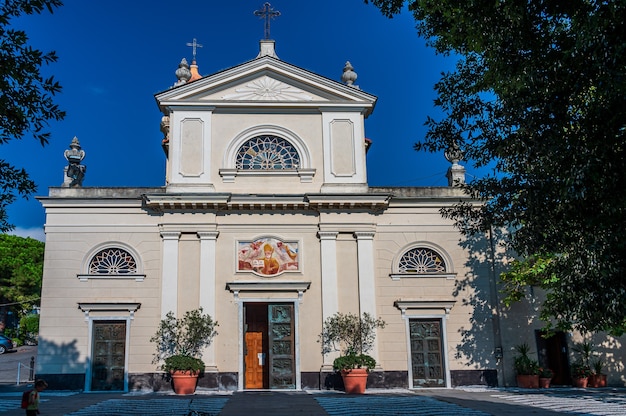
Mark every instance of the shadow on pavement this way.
pixel 496 408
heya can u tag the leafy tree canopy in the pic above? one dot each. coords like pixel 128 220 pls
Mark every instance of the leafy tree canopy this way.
pixel 539 93
pixel 26 97
pixel 21 269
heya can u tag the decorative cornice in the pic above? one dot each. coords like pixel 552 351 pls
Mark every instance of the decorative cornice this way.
pixel 265 63
pixel 398 276
pixel 268 286
pixel 170 202
pixel 267 202
pixel 404 305
pixel 129 307
pixel 135 277
pixel 229 174
pixel 368 202
pixel 333 92
pixel 180 202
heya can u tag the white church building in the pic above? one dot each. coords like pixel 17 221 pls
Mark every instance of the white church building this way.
pixel 266 158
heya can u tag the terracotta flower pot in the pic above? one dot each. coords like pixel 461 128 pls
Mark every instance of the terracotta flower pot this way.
pixel 528 381
pixel 597 380
pixel 544 382
pixel 580 382
pixel 184 381
pixel 355 380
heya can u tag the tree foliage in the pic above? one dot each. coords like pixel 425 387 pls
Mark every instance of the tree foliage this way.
pixel 29 329
pixel 21 269
pixel 177 338
pixel 353 336
pixel 538 92
pixel 26 97
pixel 349 333
pixel 534 271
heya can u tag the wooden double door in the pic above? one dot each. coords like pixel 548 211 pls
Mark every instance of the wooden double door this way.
pixel 269 347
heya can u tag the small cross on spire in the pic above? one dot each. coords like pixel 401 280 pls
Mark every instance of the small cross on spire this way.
pixel 268 14
pixel 194 45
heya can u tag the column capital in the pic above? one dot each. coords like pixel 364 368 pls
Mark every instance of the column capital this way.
pixel 170 235
pixel 208 235
pixel 327 235
pixel 364 235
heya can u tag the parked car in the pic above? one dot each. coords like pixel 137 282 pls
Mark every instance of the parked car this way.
pixel 5 344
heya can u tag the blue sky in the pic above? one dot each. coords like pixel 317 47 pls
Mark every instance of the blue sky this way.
pixel 115 55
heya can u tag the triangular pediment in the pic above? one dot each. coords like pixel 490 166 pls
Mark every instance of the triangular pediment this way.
pixel 266 88
pixel 266 81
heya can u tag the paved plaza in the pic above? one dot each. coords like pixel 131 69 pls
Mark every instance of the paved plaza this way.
pixel 474 401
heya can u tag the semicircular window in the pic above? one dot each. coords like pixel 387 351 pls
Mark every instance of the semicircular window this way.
pixel 267 153
pixel 113 261
pixel 421 260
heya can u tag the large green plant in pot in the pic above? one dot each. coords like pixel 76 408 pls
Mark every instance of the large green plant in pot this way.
pixel 179 341
pixel 522 363
pixel 353 336
pixel 526 368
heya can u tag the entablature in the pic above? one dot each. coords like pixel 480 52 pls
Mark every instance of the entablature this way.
pixel 232 202
pixel 368 202
pixel 185 202
pixel 268 286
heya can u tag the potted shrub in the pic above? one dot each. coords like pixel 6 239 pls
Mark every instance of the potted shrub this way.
pixel 526 369
pixel 584 351
pixel 596 378
pixel 353 336
pixel 179 343
pixel 580 374
pixel 581 369
pixel 545 377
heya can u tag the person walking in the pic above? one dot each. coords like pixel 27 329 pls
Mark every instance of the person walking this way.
pixel 33 398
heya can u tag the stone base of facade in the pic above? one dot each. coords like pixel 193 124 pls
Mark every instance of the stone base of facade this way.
pixel 474 378
pixel 398 379
pixel 163 382
pixel 63 381
pixel 310 380
pixel 375 379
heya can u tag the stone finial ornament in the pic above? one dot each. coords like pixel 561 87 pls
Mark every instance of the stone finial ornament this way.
pixel 74 171
pixel 456 172
pixel 349 76
pixel 453 154
pixel 183 74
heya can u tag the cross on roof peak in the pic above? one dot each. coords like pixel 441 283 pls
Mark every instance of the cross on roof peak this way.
pixel 268 14
pixel 194 45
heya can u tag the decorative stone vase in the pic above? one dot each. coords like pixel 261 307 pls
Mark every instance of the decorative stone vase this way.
pixel 544 382
pixel 597 380
pixel 355 380
pixel 580 382
pixel 528 381
pixel 184 381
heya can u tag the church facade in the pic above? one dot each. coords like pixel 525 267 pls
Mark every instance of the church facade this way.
pixel 266 221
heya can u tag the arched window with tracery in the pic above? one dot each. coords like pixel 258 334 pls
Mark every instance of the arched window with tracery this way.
pixel 267 152
pixel 421 260
pixel 112 261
